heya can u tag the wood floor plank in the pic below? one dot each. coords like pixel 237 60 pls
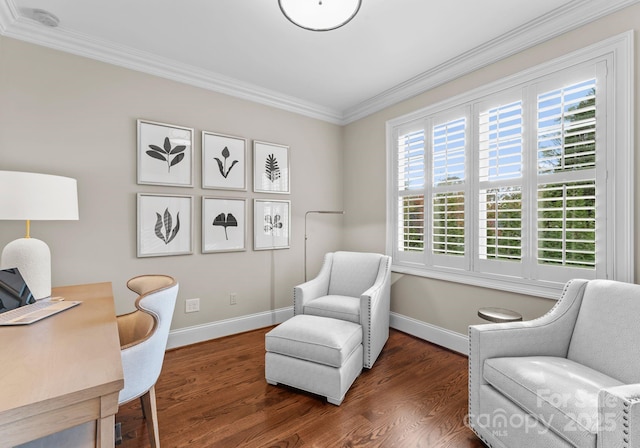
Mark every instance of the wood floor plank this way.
pixel 214 394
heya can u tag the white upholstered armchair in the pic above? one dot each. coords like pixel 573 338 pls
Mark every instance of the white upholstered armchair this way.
pixel 570 378
pixel 351 286
pixel 143 340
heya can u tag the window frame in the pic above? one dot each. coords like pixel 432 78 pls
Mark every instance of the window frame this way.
pixel 615 57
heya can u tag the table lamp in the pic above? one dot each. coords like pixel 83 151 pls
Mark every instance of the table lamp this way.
pixel 30 197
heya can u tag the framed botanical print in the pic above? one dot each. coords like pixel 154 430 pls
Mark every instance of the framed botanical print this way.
pixel 271 168
pixel 165 154
pixel 224 224
pixel 165 225
pixel 224 164
pixel 271 224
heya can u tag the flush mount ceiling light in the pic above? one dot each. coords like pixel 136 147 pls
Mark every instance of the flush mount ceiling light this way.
pixel 319 15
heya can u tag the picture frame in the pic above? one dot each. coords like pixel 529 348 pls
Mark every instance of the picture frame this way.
pixel 224 162
pixel 165 225
pixel 224 224
pixel 164 154
pixel 271 224
pixel 271 172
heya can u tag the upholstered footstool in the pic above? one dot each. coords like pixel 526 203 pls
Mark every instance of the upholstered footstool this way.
pixel 316 354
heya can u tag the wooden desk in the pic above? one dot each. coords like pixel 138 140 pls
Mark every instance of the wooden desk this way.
pixel 62 371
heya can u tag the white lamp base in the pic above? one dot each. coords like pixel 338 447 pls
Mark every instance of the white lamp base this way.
pixel 33 258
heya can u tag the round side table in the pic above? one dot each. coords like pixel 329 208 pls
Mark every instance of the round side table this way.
pixel 499 315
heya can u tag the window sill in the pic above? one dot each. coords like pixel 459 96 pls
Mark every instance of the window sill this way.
pixel 547 290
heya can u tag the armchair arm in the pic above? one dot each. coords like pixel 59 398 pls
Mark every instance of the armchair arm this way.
pixel 314 288
pixel 619 416
pixel 548 335
pixel 374 313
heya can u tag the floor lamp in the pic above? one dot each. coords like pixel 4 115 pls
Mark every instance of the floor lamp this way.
pixel 321 212
pixel 28 197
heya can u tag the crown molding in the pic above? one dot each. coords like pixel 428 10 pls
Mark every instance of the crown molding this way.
pixel 15 26
pixel 8 14
pixel 561 20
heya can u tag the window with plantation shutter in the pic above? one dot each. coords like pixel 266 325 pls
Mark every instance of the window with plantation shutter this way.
pixel 410 189
pixel 566 161
pixel 520 185
pixel 500 184
pixel 448 199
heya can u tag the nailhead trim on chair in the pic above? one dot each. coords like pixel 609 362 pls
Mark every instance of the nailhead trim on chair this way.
pixel 294 301
pixel 367 355
pixel 627 404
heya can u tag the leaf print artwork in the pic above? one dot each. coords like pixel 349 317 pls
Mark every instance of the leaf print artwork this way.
pixel 164 223
pixel 225 221
pixel 223 168
pixel 271 223
pixel 172 156
pixel 272 171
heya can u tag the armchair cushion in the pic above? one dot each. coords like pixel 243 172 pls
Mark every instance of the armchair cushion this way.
pixel 336 307
pixel 557 391
pixel 352 273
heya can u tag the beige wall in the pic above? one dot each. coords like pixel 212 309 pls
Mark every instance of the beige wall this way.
pixel 72 116
pixel 447 305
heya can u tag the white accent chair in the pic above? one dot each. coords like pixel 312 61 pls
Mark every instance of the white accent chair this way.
pixel 570 378
pixel 143 340
pixel 355 287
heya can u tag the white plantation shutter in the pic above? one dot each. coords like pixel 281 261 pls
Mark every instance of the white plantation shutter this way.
pixel 448 223
pixel 410 188
pixel 566 128
pixel 520 185
pixel 500 224
pixel 567 187
pixel 567 224
pixel 447 198
pixel 449 152
pixel 500 172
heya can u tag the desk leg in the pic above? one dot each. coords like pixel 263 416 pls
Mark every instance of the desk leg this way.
pixel 105 435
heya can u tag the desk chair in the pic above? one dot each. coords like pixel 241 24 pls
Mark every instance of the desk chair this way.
pixel 143 340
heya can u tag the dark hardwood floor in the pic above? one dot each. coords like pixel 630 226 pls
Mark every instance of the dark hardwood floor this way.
pixel 214 394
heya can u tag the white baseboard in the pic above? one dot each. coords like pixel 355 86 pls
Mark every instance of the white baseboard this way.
pixel 200 333
pixel 214 330
pixel 441 336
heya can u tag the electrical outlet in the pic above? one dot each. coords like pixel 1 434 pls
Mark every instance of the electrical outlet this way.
pixel 191 305
pixel 232 298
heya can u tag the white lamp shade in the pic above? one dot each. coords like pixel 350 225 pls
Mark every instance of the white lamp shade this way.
pixel 37 197
pixel 319 15
pixel 28 197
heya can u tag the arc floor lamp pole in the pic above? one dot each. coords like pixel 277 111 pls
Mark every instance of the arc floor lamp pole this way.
pixel 321 212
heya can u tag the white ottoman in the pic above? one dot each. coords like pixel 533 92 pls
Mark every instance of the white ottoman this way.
pixel 316 354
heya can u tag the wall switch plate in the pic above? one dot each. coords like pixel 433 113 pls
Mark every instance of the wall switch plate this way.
pixel 191 305
pixel 232 298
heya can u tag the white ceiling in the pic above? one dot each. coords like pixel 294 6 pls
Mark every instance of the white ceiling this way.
pixel 391 50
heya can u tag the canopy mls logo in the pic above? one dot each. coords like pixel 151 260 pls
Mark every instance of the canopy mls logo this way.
pixel 577 413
